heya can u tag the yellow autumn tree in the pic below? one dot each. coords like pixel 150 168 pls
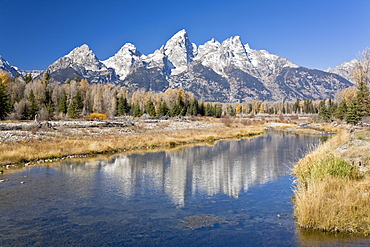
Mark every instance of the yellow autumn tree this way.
pixel 4 78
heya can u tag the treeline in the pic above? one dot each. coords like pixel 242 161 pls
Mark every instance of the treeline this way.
pixel 23 98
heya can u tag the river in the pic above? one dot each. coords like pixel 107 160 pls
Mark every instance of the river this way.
pixel 232 193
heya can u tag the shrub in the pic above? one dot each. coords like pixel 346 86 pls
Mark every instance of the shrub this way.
pixel 100 116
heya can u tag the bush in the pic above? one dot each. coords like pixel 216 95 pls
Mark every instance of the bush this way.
pixel 100 116
pixel 332 166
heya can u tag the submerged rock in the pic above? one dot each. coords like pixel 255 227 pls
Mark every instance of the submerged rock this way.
pixel 199 221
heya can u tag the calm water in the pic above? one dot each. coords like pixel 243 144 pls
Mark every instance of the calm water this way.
pixel 235 193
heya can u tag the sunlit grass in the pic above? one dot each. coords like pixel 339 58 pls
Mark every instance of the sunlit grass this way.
pixel 66 143
pixel 332 194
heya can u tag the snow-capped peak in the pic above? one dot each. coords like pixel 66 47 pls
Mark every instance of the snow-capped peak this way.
pixel 5 66
pixel 344 70
pixel 123 60
pixel 179 51
pixel 85 57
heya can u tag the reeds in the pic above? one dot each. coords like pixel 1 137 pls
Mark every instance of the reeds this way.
pixel 332 194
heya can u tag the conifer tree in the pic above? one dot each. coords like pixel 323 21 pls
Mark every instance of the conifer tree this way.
pixel 175 110
pixel 62 103
pixel 4 102
pixel 194 107
pixel 28 78
pixel 162 109
pixel 122 106
pixel 296 106
pixel 150 109
pixel 34 108
pixel 341 110
pixel 353 114
pixel 209 110
pixel 136 111
pixel 76 105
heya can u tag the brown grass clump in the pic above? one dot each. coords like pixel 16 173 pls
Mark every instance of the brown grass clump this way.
pixel 332 193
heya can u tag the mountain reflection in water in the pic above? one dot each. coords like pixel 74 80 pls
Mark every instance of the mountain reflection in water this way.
pixel 228 167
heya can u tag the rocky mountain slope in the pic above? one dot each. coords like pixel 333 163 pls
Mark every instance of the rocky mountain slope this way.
pixel 344 70
pixel 226 72
pixel 81 62
pixel 5 66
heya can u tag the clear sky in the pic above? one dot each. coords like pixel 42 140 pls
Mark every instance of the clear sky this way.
pixel 313 33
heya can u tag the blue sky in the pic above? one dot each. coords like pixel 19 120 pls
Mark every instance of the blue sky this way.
pixel 315 34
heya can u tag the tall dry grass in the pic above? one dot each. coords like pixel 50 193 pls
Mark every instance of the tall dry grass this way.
pixel 332 194
pixel 67 144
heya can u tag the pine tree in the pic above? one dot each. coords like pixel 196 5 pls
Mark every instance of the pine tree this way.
pixel 218 111
pixel 150 109
pixel 62 103
pixel 194 107
pixel 201 109
pixel 76 105
pixel 136 111
pixel 209 110
pixel 341 110
pixel 46 77
pixel 231 111
pixel 296 106
pixel 122 106
pixel 162 109
pixel 175 110
pixel 4 102
pixel 28 78
pixel 353 114
pixel 34 108
pixel 363 98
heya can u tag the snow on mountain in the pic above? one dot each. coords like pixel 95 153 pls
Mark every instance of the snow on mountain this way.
pixel 179 51
pixel 33 73
pixel 218 56
pixel 266 65
pixel 81 62
pixel 231 52
pixel 123 60
pixel 227 72
pixel 344 70
pixel 5 66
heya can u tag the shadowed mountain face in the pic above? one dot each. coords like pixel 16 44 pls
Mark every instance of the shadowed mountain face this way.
pixel 225 72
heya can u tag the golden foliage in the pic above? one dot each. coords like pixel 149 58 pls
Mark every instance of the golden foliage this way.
pixel 4 77
pixel 100 116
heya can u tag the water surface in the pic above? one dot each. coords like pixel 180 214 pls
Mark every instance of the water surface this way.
pixel 234 193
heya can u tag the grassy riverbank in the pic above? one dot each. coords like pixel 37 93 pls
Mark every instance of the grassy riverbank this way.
pixel 32 144
pixel 333 185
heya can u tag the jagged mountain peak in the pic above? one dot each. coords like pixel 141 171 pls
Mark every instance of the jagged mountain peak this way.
pixel 82 54
pixel 180 34
pixel 235 40
pixel 5 66
pixel 123 60
pixel 83 49
pixel 180 51
pixel 344 70
pixel 129 48
pixel 82 62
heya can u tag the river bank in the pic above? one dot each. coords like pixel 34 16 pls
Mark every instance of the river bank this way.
pixel 25 142
pixel 333 184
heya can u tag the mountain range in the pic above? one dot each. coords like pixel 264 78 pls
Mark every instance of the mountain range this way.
pixel 224 72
